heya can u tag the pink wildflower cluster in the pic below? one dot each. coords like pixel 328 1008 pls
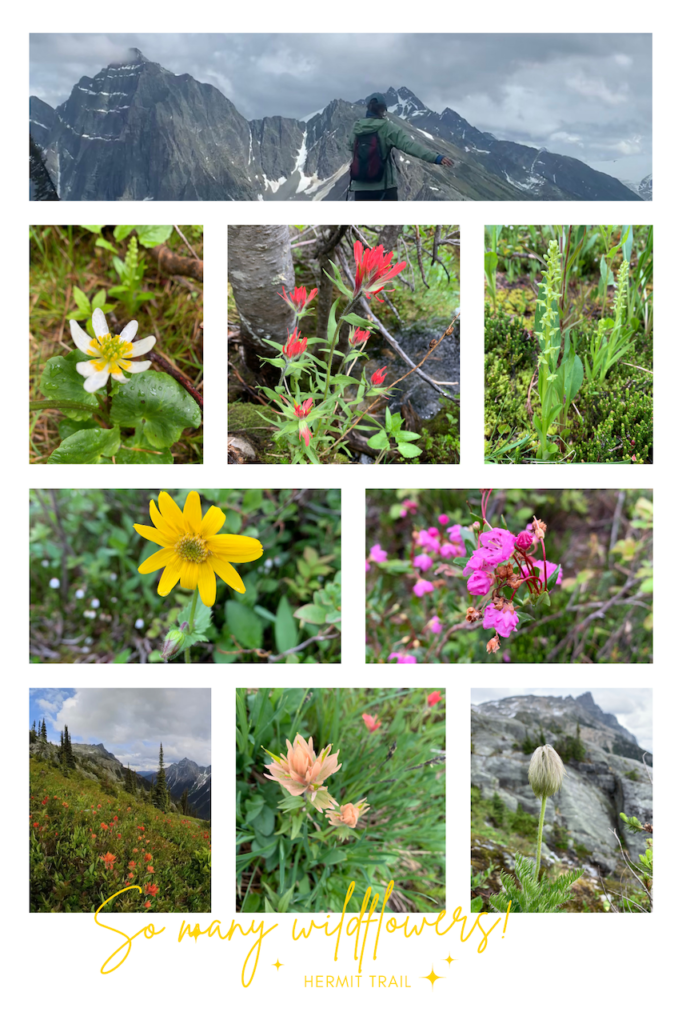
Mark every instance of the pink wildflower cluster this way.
pixel 502 564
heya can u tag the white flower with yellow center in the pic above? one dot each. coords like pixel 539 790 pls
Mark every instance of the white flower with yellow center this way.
pixel 109 354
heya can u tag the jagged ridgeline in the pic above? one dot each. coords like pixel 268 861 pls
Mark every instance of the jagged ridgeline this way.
pixel 96 826
pixel 605 776
pixel 139 132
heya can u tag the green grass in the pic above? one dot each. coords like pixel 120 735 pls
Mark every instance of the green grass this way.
pixel 64 258
pixel 292 861
pixel 75 822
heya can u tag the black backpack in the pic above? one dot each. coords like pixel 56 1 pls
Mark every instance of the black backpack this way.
pixel 368 163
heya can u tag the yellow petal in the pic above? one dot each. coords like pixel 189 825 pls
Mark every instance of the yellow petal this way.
pixel 190 575
pixel 157 561
pixel 212 522
pixel 207 584
pixel 226 573
pixel 159 522
pixel 192 512
pixel 169 577
pixel 164 540
pixel 171 512
pixel 234 548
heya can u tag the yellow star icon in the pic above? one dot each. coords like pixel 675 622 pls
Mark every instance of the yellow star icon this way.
pixel 448 960
pixel 432 977
pixel 278 964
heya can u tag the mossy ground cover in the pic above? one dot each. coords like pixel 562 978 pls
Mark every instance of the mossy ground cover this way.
pixel 89 840
pixel 65 260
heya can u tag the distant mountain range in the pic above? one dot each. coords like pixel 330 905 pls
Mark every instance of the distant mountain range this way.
pixel 96 762
pixel 139 132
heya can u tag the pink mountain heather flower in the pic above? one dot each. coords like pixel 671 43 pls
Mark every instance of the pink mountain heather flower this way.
pixel 525 540
pixel 422 562
pixel 371 722
pixel 301 771
pixel 435 625
pixel 498 544
pixel 408 506
pixel 504 619
pixel 477 561
pixel 373 270
pixel 433 698
pixel 348 814
pixel 455 533
pixel 433 531
pixel 367 565
pixel 426 540
pixel 298 299
pixel 451 550
pixel 403 659
pixel 358 337
pixel 443 519
pixel 480 582
pixel 376 554
pixel 295 345
pixel 422 587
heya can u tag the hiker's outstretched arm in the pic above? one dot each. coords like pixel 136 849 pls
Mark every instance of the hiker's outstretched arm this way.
pixel 399 138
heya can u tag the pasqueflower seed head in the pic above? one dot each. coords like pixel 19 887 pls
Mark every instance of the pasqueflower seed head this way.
pixel 546 771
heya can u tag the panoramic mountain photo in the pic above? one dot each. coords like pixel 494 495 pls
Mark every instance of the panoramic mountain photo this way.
pixel 228 117
pixel 120 799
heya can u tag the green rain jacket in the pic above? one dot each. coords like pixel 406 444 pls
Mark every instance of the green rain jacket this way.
pixel 391 136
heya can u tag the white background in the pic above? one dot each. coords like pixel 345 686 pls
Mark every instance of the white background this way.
pixel 563 967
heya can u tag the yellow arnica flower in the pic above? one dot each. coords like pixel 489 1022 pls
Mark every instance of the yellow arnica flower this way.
pixel 192 550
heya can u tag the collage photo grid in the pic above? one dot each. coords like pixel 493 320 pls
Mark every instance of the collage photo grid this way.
pixel 202 395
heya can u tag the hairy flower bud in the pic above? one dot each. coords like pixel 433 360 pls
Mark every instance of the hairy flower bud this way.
pixel 173 644
pixel 546 771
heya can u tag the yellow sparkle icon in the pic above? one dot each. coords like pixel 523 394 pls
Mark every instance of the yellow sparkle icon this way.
pixel 448 960
pixel 432 977
pixel 278 964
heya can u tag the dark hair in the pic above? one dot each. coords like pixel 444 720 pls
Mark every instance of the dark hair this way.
pixel 376 108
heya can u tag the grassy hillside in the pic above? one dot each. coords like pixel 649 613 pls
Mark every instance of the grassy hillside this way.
pixel 89 840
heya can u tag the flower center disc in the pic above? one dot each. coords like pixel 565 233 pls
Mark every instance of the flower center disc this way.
pixel 192 548
pixel 112 347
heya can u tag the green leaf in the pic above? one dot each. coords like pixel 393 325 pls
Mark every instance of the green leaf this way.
pixel 160 403
pixel 122 657
pixel 102 243
pixel 253 499
pixel 312 613
pixel 61 381
pixel 379 440
pixel 69 426
pixel 83 303
pixel 153 234
pixel 244 625
pixel 202 615
pixel 409 451
pixel 331 323
pixel 358 321
pixel 122 231
pixel 129 454
pixel 333 856
pixel 86 446
pixel 286 629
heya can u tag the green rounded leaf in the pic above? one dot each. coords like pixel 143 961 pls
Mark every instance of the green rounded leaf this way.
pixel 158 402
pixel 87 446
pixel 61 381
pixel 409 451
pixel 244 625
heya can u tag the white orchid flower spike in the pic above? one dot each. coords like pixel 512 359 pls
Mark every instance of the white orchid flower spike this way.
pixel 109 354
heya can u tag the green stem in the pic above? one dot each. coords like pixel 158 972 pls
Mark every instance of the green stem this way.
pixel 190 625
pixel 62 405
pixel 332 346
pixel 540 827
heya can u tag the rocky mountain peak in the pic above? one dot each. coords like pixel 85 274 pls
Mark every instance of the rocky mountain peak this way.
pixel 132 58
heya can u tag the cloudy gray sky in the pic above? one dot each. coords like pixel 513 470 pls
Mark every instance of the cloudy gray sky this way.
pixel 131 723
pixel 583 95
pixel 632 707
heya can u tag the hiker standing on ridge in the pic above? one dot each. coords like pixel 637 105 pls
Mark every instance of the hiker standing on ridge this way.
pixel 372 171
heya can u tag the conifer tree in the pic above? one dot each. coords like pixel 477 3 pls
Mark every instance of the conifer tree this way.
pixel 160 794
pixel 69 757
pixel 184 801
pixel 33 735
pixel 43 730
pixel 61 751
